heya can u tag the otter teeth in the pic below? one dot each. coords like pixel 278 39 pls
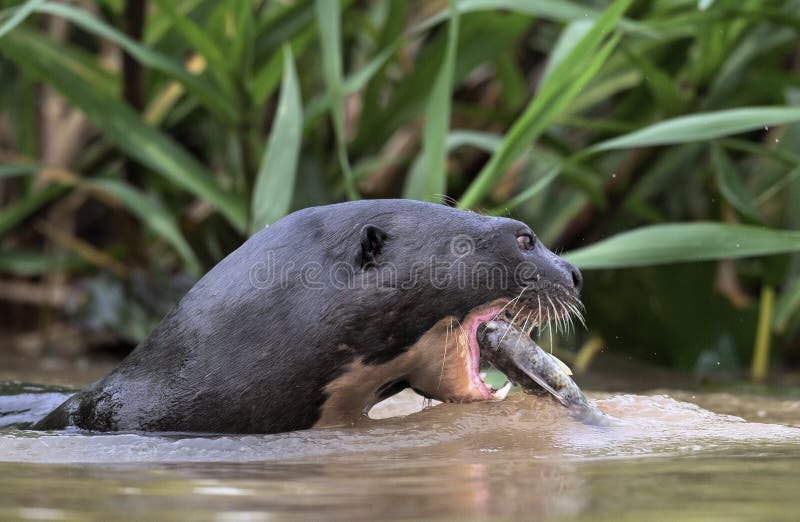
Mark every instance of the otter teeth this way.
pixel 502 393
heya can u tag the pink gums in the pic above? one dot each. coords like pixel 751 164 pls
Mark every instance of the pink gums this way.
pixel 474 360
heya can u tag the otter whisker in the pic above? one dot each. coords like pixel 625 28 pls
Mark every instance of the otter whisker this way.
pixel 556 318
pixel 444 356
pixel 579 315
pixel 508 303
pixel 539 309
pixel 530 330
pixel 560 314
pixel 508 327
pixel 513 319
pixel 525 324
pixel 519 337
pixel 565 315
pixel 555 314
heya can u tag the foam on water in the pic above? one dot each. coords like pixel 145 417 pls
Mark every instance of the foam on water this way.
pixel 522 425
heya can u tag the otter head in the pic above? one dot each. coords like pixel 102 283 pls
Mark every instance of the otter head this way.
pixel 429 275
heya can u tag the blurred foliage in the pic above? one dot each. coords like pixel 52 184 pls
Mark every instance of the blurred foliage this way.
pixel 152 137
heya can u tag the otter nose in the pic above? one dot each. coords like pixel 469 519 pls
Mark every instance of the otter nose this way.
pixel 577 278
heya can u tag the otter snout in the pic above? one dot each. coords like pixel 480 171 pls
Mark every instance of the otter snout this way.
pixel 572 274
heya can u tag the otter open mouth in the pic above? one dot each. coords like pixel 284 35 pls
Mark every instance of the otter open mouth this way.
pixel 555 313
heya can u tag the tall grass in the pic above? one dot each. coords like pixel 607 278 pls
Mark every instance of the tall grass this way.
pixel 676 120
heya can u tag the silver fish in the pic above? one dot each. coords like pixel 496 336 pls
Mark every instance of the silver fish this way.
pixel 515 354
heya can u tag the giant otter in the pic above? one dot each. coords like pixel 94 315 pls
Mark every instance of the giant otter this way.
pixel 326 312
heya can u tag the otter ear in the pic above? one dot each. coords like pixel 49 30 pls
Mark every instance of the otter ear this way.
pixel 372 239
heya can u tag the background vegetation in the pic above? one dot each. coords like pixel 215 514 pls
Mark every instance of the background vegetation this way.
pixel 654 142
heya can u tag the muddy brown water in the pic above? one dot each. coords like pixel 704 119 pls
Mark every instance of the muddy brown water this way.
pixel 524 458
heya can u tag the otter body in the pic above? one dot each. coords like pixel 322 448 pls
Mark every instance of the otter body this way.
pixel 322 314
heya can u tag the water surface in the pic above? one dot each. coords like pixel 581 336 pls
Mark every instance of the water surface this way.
pixel 523 458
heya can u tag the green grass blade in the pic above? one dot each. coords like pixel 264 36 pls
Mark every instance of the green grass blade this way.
pixel 266 79
pixel 122 126
pixel 787 307
pixel 779 185
pixel 554 10
pixel 206 92
pixel 470 138
pixel 19 16
pixel 661 85
pixel 241 52
pixel 152 213
pixel 567 40
pixel 437 122
pixel 27 263
pixel 13 170
pixel 328 21
pixel 540 184
pixel 14 213
pixel 729 184
pixel 684 242
pixel 352 83
pixel 200 40
pixel 272 196
pixel 535 123
pixel 565 82
pixel 702 127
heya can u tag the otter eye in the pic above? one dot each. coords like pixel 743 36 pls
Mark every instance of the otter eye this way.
pixel 525 241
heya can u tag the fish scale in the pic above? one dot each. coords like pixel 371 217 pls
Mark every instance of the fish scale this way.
pixel 514 353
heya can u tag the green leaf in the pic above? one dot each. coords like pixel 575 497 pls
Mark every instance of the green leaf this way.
pixel 272 196
pixel 567 40
pixel 437 121
pixel 788 306
pixel 662 86
pixel 22 208
pixel 565 82
pixel 19 16
pixel 542 183
pixel 267 78
pixel 352 83
pixel 200 40
pixel 701 127
pixel 730 186
pixel 152 213
pixel 481 39
pixel 205 91
pixel 12 170
pixel 28 263
pixel 328 21
pixel 779 185
pixel 511 79
pixel 684 242
pixel 241 52
pixel 554 10
pixel 121 125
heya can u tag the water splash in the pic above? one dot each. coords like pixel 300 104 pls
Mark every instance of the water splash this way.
pixel 533 427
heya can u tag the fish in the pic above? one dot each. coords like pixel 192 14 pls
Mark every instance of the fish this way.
pixel 525 363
